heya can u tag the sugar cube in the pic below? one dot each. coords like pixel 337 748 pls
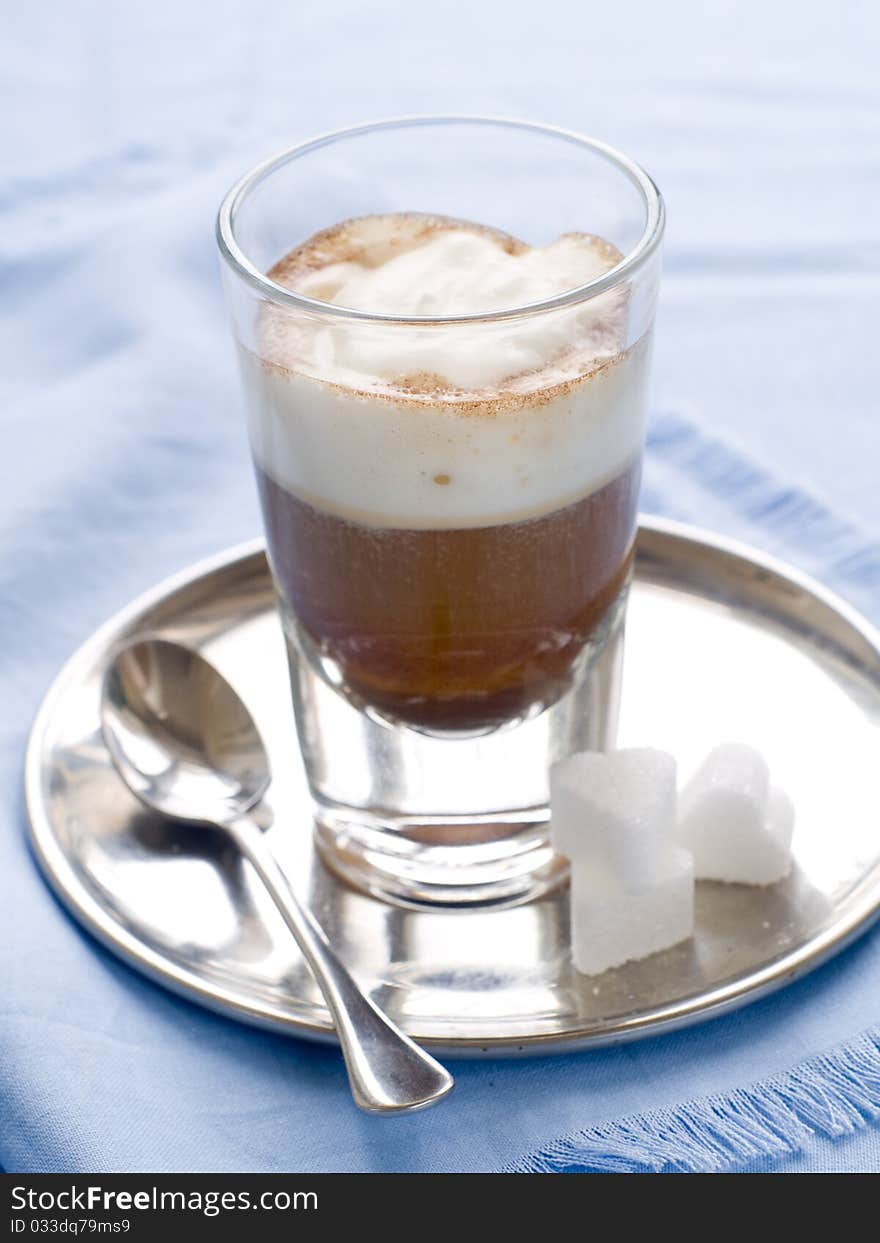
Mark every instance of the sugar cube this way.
pixel 612 923
pixel 614 812
pixel 737 826
pixel 632 886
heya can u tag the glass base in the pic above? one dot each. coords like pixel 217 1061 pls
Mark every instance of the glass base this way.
pixel 449 820
pixel 489 863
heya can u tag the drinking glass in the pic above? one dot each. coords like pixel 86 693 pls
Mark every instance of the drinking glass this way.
pixel 451 560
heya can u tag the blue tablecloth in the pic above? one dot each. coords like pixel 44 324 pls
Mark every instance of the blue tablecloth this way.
pixel 125 459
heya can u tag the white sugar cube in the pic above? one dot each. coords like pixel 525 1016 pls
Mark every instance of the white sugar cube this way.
pixel 632 886
pixel 612 924
pixel 614 813
pixel 737 826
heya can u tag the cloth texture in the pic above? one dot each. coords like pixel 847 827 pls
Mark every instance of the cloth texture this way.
pixel 125 459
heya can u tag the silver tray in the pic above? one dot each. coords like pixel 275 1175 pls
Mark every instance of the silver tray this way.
pixel 722 644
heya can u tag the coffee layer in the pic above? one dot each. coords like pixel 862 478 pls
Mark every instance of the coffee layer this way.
pixel 453 628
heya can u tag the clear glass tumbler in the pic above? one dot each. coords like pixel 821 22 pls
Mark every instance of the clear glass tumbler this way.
pixel 451 557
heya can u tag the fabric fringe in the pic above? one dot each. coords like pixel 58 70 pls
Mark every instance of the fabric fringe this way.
pixel 831 1095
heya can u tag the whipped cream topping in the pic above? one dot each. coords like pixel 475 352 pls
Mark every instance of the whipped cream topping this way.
pixel 407 265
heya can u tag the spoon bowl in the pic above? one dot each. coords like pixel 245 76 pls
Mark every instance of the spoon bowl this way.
pixel 180 735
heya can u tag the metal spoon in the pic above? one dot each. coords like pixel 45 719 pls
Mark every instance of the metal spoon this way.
pixel 187 747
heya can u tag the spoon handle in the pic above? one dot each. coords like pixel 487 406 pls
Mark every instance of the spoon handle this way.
pixel 388 1072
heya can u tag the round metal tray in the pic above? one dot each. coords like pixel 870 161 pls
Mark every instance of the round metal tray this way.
pixel 722 644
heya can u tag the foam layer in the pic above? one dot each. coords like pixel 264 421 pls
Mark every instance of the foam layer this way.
pixel 442 426
pixel 415 265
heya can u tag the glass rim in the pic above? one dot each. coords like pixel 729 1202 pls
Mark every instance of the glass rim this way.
pixel 631 262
